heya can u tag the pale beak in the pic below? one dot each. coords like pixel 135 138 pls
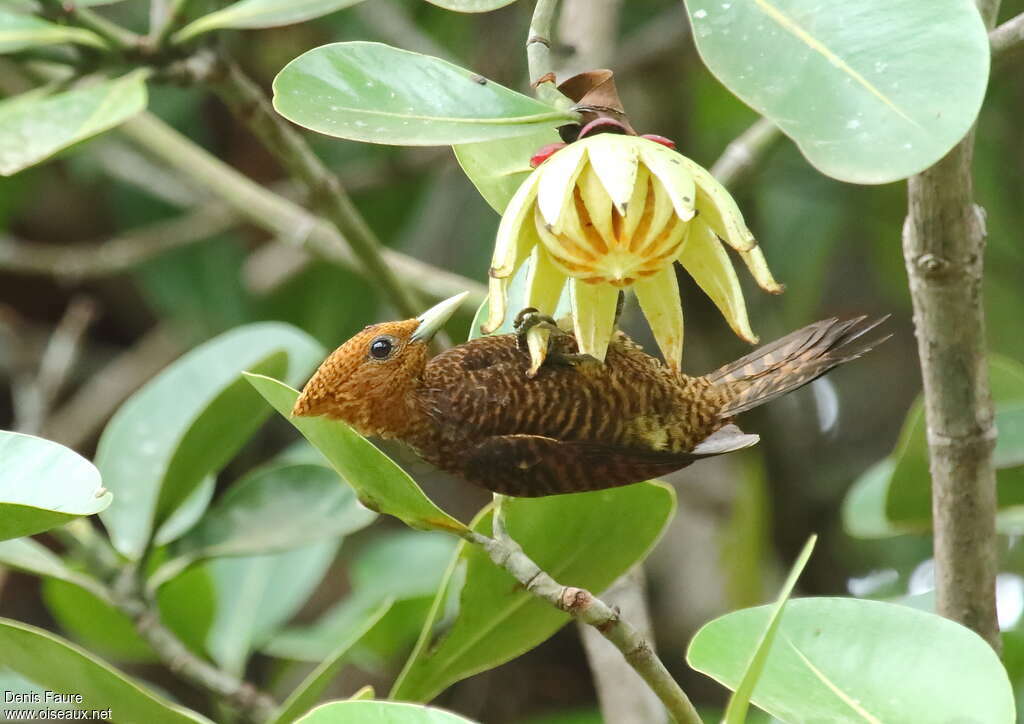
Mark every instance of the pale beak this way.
pixel 434 318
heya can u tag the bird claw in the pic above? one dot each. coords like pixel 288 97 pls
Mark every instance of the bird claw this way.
pixel 529 318
pixel 573 359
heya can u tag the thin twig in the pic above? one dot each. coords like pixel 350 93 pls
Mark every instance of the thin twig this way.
pixel 248 102
pixel 538 52
pixel 1007 36
pixel 943 248
pixel 74 262
pixel 257 705
pixel 122 587
pixel 281 217
pixel 582 605
pixel 745 151
pixel 79 419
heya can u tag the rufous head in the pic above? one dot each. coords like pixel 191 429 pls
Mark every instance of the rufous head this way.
pixel 366 381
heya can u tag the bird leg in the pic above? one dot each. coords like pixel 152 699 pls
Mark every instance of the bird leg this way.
pixel 529 318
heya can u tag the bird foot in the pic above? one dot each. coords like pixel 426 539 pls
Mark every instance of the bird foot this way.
pixel 529 318
pixel 572 359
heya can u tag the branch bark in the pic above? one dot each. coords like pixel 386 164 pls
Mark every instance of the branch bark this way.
pixel 943 248
pixel 1007 37
pixel 589 609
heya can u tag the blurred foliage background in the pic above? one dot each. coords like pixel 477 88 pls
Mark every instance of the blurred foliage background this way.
pixel 741 518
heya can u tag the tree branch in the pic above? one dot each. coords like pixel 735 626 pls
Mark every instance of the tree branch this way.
pixel 281 217
pixel 1007 37
pixel 247 101
pixel 745 151
pixel 255 704
pixel 126 595
pixel 587 608
pixel 943 248
pixel 84 261
pixel 538 52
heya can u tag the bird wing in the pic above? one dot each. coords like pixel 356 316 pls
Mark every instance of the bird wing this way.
pixel 534 465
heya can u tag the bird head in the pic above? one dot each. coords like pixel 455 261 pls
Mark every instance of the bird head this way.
pixel 366 381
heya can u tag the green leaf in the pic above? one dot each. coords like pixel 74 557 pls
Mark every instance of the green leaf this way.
pixel 87 617
pixel 739 702
pixel 60 666
pixel 908 496
pixel 401 566
pixel 274 508
pixel 308 692
pixel 261 14
pixel 187 514
pixel 380 712
pixel 33 131
pixel 381 485
pixel 471 6
pixel 257 594
pixel 44 485
pixel 378 94
pixel 842 659
pixel 18 32
pixel 582 539
pixel 498 168
pixel 869 91
pixel 864 505
pixel 187 423
pixel 26 555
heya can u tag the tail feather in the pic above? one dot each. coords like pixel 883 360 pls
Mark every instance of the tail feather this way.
pixel 792 361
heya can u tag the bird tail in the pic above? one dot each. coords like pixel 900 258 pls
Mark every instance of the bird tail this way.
pixel 792 361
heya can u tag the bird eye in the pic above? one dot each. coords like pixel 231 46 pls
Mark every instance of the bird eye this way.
pixel 381 348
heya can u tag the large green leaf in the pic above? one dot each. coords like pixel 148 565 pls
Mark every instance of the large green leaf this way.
pixel 256 595
pixel 380 712
pixel 843 659
pixel 188 513
pixel 187 422
pixel 19 31
pixel 402 566
pixel 739 702
pixel 34 130
pixel 380 484
pixel 29 556
pixel 378 94
pixel 44 485
pixel 308 692
pixel 871 91
pixel 274 508
pixel 583 539
pixel 471 6
pixel 60 666
pixel 498 168
pixel 261 14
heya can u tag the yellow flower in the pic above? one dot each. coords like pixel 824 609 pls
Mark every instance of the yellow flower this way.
pixel 612 211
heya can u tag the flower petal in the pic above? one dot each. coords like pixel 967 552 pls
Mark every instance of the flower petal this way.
pixel 498 286
pixel 614 160
pixel 544 284
pixel 643 190
pixel 598 203
pixel 593 311
pixel 755 261
pixel 508 242
pixel 557 180
pixel 718 209
pixel 707 261
pixel 673 173
pixel 659 299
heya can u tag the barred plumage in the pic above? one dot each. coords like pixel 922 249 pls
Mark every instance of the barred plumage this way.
pixel 577 425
